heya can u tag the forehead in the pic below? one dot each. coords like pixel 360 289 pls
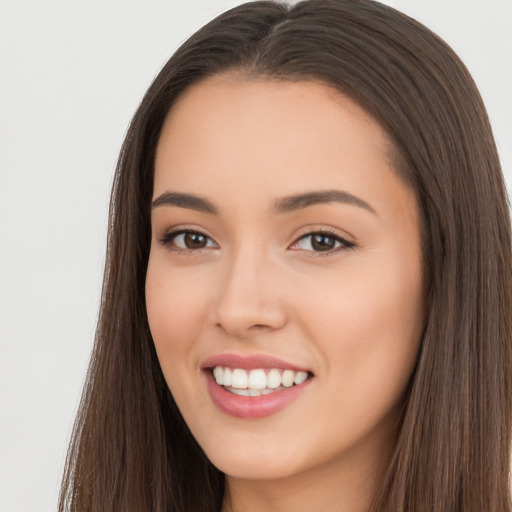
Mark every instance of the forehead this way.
pixel 272 137
pixel 252 108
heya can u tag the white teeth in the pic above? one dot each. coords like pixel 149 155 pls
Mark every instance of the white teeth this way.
pixel 241 392
pixel 239 379
pixel 273 379
pixel 300 377
pixel 218 373
pixel 257 379
pixel 287 378
pixel 252 392
pixel 227 379
pixel 257 382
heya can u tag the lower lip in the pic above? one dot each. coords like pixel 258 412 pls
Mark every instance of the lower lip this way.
pixel 251 407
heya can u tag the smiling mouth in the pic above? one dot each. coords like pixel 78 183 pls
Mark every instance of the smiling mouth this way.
pixel 258 381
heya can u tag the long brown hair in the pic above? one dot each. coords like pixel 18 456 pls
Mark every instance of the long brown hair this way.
pixel 132 452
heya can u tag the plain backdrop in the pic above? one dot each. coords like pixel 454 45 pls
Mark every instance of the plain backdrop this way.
pixel 71 75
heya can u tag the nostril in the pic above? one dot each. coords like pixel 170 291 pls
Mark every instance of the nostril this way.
pixel 232 328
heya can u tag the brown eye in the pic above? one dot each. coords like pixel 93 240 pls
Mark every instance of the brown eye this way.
pixel 194 240
pixel 188 240
pixel 321 242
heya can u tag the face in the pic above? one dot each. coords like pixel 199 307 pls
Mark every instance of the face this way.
pixel 285 265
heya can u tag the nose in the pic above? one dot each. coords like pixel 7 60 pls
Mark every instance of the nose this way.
pixel 249 300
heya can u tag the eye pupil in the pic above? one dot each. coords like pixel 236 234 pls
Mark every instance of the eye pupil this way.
pixel 195 240
pixel 321 242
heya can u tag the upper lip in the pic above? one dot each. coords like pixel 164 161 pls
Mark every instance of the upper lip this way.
pixel 249 362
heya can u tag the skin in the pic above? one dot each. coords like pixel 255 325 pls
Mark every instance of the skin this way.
pixel 353 314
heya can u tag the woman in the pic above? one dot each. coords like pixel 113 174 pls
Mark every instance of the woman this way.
pixel 308 285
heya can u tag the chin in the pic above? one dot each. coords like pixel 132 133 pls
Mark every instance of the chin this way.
pixel 255 457
pixel 245 468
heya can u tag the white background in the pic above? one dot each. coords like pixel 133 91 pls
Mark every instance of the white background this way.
pixel 71 76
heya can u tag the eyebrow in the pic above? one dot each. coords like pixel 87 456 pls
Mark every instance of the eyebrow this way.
pixel 188 201
pixel 283 205
pixel 300 201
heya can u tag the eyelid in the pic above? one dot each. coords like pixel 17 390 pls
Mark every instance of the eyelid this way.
pixel 344 243
pixel 170 234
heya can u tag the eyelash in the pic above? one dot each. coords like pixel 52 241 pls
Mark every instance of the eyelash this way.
pixel 168 241
pixel 343 243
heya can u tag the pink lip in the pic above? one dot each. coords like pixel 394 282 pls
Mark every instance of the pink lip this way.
pixel 251 362
pixel 250 407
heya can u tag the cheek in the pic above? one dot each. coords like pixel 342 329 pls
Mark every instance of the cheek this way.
pixel 367 323
pixel 176 303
